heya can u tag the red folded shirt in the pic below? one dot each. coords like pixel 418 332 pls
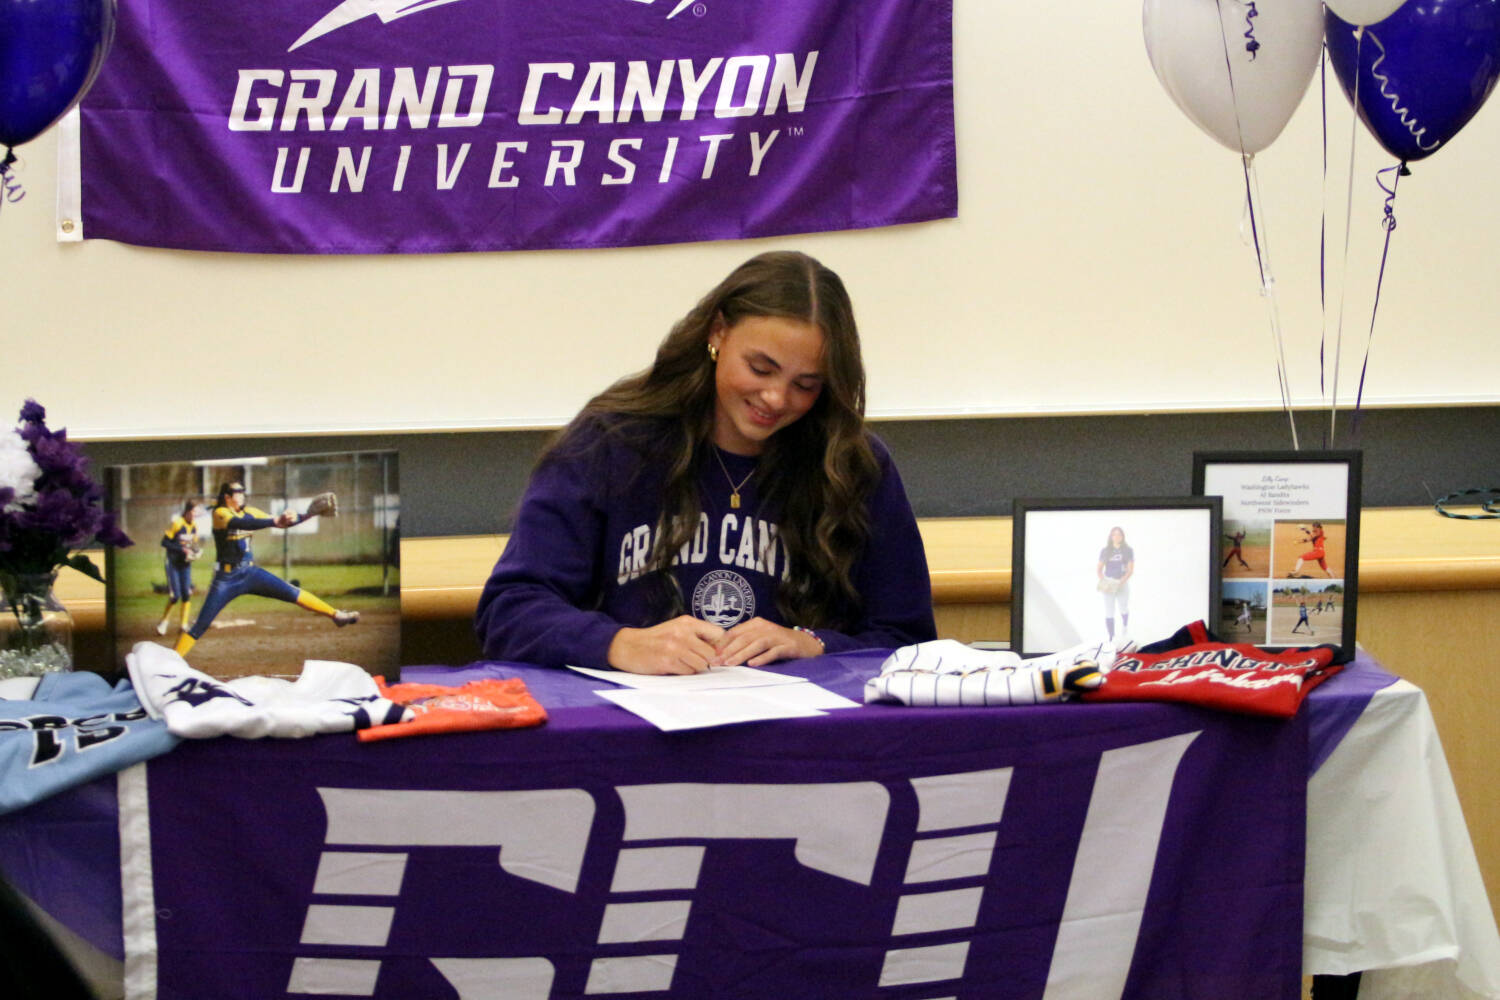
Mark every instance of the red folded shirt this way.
pixel 486 704
pixel 1233 677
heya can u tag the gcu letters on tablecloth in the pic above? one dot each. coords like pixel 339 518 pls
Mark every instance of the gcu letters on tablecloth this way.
pixel 1117 852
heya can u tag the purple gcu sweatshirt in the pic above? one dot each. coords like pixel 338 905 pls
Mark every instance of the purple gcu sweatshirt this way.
pixel 574 570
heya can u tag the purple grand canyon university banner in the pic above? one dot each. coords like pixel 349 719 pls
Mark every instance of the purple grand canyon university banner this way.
pixel 378 126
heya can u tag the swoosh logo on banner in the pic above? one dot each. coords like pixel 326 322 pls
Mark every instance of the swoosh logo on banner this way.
pixel 681 6
pixel 389 10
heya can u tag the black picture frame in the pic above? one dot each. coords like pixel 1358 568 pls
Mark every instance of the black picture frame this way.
pixel 1057 561
pixel 1297 558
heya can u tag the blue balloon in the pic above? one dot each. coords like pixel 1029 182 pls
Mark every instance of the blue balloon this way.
pixel 50 52
pixel 1423 71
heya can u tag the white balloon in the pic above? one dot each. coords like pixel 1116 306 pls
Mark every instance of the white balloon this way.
pixel 1271 45
pixel 1363 11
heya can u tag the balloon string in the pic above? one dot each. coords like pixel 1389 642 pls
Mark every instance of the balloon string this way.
pixel 1389 224
pixel 1267 283
pixel 1338 345
pixel 1261 264
pixel 1268 290
pixel 1323 230
pixel 11 188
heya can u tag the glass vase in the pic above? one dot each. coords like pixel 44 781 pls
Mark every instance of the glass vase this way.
pixel 36 631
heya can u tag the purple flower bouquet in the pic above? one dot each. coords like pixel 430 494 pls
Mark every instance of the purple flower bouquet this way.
pixel 49 507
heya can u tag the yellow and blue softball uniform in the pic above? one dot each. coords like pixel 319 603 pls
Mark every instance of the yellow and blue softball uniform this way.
pixel 177 539
pixel 235 572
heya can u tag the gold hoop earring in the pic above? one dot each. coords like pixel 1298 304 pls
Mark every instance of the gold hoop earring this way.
pixel 713 354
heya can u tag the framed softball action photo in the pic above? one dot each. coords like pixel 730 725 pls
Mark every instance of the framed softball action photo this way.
pixel 251 566
pixel 1289 551
pixel 1097 570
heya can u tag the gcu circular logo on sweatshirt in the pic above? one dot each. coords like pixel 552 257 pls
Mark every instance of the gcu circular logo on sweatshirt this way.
pixel 724 598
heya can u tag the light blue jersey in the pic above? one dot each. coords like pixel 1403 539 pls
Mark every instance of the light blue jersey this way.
pixel 74 728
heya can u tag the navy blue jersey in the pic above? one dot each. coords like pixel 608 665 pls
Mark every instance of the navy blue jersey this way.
pixel 232 533
pixel 1116 561
pixel 177 539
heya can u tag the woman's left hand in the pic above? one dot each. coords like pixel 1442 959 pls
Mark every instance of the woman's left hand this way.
pixel 757 642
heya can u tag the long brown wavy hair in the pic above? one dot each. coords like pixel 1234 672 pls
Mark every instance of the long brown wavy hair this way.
pixel 815 474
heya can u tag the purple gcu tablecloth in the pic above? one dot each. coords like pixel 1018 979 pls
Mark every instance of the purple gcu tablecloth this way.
pixel 1134 851
pixel 1094 851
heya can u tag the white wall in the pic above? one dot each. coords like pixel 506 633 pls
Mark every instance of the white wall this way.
pixel 1097 264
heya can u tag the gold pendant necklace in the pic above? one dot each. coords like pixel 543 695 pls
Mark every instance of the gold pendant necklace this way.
pixel 734 488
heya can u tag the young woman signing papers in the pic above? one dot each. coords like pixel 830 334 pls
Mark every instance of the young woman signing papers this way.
pixel 725 506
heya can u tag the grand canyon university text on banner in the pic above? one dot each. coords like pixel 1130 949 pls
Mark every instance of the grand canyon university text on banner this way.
pixel 378 126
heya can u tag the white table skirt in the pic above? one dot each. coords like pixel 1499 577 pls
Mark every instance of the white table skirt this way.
pixel 1393 888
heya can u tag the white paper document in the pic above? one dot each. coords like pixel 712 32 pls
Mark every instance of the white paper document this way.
pixel 711 679
pixel 809 695
pixel 672 710
pixel 721 696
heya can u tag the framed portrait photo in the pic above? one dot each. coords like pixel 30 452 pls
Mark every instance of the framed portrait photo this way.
pixel 1090 570
pixel 1289 552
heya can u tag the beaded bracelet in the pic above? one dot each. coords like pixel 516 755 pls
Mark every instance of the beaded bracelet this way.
pixel 821 645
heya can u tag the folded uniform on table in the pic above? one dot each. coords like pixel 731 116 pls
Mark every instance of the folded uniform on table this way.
pixel 947 672
pixel 1192 666
pixel 481 704
pixel 1195 667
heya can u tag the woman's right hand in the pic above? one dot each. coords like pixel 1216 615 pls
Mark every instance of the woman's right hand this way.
pixel 682 645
